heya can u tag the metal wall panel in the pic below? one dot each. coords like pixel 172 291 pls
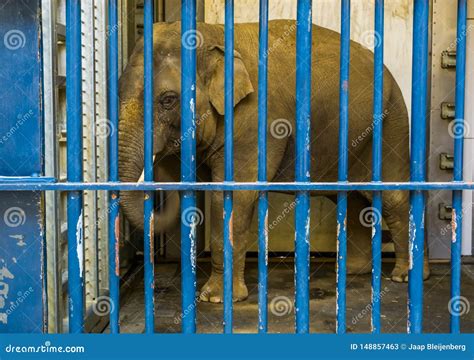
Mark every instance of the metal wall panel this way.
pixel 438 221
pixel 22 282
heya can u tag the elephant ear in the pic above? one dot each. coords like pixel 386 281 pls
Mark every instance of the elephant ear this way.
pixel 242 84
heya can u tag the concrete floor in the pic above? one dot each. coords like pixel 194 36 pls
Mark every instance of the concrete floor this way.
pixel 280 298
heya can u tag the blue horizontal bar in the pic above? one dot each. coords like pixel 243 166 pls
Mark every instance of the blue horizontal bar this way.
pixel 27 179
pixel 236 186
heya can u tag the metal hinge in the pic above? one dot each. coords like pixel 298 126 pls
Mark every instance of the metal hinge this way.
pixel 448 59
pixel 445 211
pixel 448 111
pixel 446 161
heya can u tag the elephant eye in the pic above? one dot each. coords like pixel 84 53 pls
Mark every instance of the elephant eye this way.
pixel 168 100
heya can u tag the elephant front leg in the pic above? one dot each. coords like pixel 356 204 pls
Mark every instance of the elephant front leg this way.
pixel 213 290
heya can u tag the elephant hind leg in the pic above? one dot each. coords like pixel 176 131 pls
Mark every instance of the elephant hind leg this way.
pixel 395 211
pixel 396 168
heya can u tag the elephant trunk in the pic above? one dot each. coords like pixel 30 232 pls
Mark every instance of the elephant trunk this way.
pixel 131 161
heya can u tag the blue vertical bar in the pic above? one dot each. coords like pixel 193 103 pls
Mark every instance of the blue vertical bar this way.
pixel 228 163
pixel 74 166
pixel 418 168
pixel 114 200
pixel 302 168
pixel 377 165
pixel 262 169
pixel 188 168
pixel 148 252
pixel 458 164
pixel 343 166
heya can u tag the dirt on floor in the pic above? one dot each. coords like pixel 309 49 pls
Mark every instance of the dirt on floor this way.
pixel 280 299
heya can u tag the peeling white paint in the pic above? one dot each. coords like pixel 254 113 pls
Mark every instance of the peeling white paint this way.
pixel 192 107
pixel 411 240
pixel 454 225
pixel 408 316
pixel 307 227
pixel 80 245
pixel 5 273
pixel 4 290
pixel 20 240
pixel 192 240
pixel 266 238
pixel 310 20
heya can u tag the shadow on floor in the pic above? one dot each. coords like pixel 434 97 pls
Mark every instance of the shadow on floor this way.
pixel 280 299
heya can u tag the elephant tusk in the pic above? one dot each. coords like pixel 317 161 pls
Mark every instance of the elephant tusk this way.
pixel 142 176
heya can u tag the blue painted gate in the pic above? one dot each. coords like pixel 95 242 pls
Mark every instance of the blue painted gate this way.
pixel 22 284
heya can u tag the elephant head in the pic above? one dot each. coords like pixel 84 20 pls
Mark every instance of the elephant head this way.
pixel 168 134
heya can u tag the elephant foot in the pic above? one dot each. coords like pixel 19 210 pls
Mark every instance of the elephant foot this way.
pixel 400 271
pixel 213 290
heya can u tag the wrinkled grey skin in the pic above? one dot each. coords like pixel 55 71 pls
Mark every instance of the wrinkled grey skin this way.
pixel 281 105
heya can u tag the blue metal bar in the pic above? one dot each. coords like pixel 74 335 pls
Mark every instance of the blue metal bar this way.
pixel 188 170
pixel 377 165
pixel 238 186
pixel 302 168
pixel 458 164
pixel 228 164
pixel 27 179
pixel 148 252
pixel 262 169
pixel 343 166
pixel 74 166
pixel 114 200
pixel 418 167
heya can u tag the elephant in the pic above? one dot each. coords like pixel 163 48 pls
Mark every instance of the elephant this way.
pixel 209 134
